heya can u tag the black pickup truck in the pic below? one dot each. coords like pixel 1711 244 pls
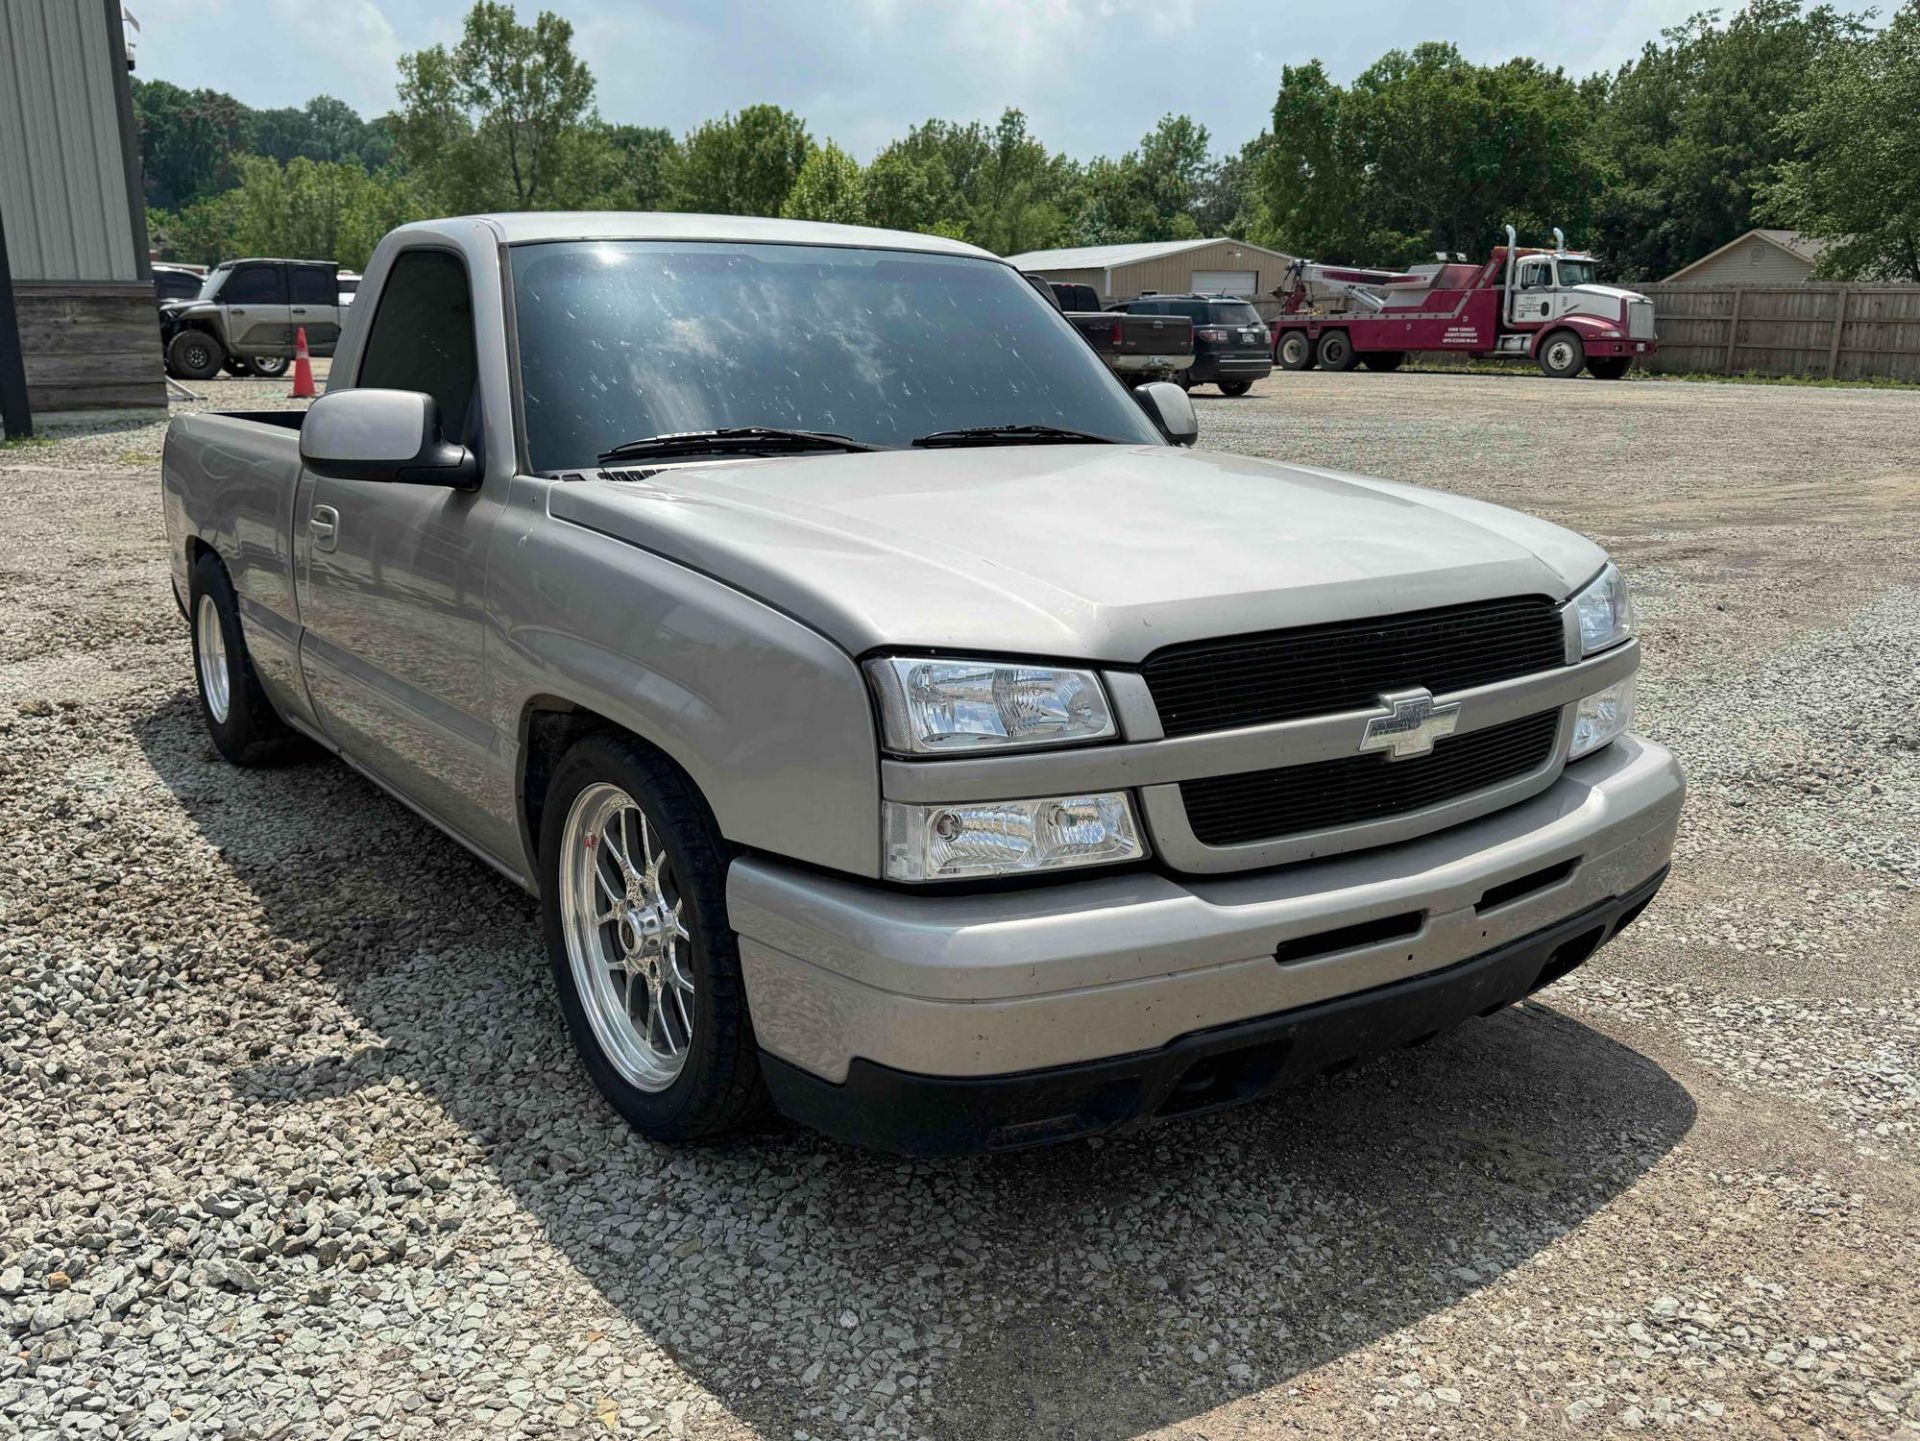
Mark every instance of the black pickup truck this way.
pixel 1138 348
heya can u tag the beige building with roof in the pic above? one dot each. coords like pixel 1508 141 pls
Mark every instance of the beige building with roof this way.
pixel 1760 257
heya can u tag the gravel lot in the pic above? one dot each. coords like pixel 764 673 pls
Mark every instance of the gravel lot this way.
pixel 293 1145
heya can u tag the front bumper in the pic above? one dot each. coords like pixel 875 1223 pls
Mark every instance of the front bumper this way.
pixel 855 986
pixel 1636 349
pixel 918 1115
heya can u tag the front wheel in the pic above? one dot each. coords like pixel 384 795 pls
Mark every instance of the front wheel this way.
pixel 1562 356
pixel 633 899
pixel 195 355
pixel 1295 351
pixel 1609 367
pixel 1235 387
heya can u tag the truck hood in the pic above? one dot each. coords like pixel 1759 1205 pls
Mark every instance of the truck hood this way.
pixel 1088 552
pixel 1608 292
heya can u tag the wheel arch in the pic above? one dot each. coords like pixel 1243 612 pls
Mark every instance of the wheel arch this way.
pixel 550 725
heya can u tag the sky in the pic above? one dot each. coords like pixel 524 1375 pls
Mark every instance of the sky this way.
pixel 1092 75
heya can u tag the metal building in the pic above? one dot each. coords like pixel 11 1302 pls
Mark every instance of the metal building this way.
pixel 1162 267
pixel 72 211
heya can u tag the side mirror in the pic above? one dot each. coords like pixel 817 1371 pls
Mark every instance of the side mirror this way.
pixel 391 435
pixel 1171 409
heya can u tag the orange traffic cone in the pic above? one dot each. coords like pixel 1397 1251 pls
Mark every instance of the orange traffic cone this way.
pixel 302 368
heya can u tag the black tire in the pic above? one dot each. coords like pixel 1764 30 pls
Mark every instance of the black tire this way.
pixel 195 355
pixel 1293 351
pixel 1383 359
pixel 1562 356
pixel 718 1088
pixel 270 366
pixel 245 727
pixel 1609 367
pixel 1235 387
pixel 1336 351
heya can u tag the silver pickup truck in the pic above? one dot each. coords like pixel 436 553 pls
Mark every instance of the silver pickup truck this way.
pixel 899 722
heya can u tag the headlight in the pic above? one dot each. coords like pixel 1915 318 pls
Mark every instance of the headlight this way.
pixel 939 706
pixel 1002 838
pixel 1605 611
pixel 1603 716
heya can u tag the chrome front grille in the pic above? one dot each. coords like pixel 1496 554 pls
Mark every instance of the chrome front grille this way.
pixel 1640 320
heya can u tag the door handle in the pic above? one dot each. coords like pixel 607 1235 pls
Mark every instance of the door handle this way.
pixel 324 522
pixel 236 310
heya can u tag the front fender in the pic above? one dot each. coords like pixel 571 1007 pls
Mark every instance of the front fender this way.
pixel 1587 327
pixel 770 719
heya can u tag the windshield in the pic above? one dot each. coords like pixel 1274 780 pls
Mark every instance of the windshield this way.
pixel 623 340
pixel 210 287
pixel 1578 272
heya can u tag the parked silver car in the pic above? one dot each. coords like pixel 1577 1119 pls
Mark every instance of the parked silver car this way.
pixel 898 722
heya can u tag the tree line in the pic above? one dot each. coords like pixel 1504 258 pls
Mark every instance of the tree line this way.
pixel 1782 114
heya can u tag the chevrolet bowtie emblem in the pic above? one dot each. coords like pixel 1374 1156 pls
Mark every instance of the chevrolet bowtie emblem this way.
pixel 1411 726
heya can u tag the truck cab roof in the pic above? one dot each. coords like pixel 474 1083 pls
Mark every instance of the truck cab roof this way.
pixel 535 226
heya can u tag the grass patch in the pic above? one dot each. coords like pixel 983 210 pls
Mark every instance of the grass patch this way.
pixel 25 442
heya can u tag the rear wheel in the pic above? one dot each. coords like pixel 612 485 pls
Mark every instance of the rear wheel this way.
pixel 1336 351
pixel 195 355
pixel 1383 359
pixel 1562 356
pixel 1295 351
pixel 1235 387
pixel 242 721
pixel 633 896
pixel 271 366
pixel 1609 367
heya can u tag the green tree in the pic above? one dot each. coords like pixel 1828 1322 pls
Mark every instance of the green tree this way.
pixel 644 161
pixel 310 209
pixel 506 119
pixel 1690 133
pixel 323 129
pixel 190 141
pixel 742 164
pixel 1312 181
pixel 1854 179
pixel 829 187
pixel 901 190
pixel 1149 193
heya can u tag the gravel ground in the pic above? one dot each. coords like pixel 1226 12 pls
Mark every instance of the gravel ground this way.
pixel 294 1146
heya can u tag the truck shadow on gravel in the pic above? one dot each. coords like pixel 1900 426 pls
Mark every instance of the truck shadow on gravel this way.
pixel 1089 1290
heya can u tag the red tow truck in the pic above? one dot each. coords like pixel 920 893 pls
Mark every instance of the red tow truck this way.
pixel 1523 304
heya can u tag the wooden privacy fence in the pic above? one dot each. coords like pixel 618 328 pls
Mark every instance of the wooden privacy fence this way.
pixel 1846 331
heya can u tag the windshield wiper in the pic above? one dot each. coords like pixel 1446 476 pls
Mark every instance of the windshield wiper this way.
pixel 732 440
pixel 1012 435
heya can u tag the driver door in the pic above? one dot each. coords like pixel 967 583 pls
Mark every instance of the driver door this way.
pixel 1533 292
pixel 393 576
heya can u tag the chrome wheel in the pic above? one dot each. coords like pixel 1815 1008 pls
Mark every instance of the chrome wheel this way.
pixel 628 947
pixel 210 646
pixel 1560 356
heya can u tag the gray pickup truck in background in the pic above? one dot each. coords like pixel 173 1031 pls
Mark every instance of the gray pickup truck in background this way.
pixel 898 721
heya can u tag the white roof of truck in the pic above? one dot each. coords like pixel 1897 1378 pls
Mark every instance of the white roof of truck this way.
pixel 1105 257
pixel 525 226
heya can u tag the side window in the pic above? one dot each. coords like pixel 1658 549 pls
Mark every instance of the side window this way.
pixel 311 285
pixel 1194 310
pixel 255 285
pixel 422 336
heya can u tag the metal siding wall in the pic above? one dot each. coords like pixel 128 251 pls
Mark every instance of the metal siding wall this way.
pixel 62 179
pixel 1173 274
